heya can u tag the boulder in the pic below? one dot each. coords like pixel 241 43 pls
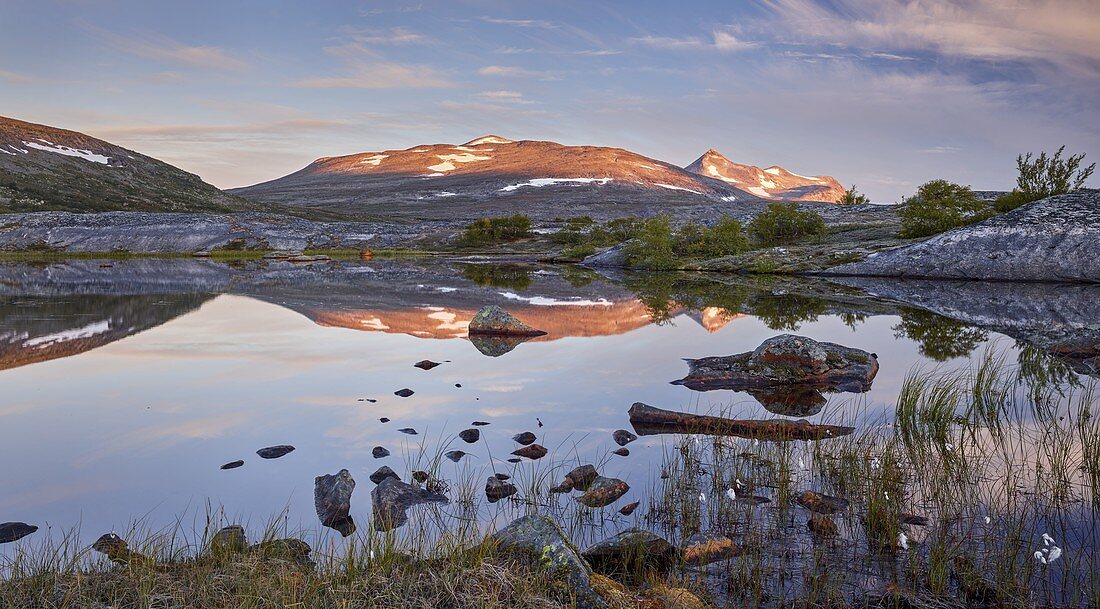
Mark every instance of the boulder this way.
pixel 623 437
pixel 290 550
pixel 392 498
pixel 1053 239
pixel 379 452
pixel 332 500
pixel 228 540
pixel 525 438
pixel 493 320
pixel 632 553
pixel 383 473
pixel 538 539
pixel 118 550
pixel 497 489
pixel 603 492
pixel 581 477
pixel 14 531
pixel 470 436
pixel 675 598
pixel 612 257
pixel 785 360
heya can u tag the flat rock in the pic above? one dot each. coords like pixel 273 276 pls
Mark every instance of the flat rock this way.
pixel 233 464
pixel 495 321
pixel 539 540
pixel 392 498
pixel 404 393
pixel 785 360
pixel 603 492
pixel 332 500
pixel 14 531
pixel 1053 239
pixel 533 452
pixel 470 436
pixel 274 452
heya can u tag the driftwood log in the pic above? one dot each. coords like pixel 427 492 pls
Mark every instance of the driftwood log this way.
pixel 648 421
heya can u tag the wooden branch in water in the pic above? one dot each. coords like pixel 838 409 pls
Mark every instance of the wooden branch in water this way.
pixel 648 421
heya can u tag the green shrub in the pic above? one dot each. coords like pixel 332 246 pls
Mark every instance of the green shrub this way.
pixel 726 238
pixel 853 197
pixel 488 231
pixel 783 223
pixel 1044 177
pixel 651 247
pixel 939 206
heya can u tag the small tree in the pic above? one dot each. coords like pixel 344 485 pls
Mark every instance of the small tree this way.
pixel 784 223
pixel 496 230
pixel 1045 176
pixel 651 247
pixel 939 206
pixel 853 197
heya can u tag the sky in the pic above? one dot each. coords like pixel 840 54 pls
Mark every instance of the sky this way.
pixel 884 94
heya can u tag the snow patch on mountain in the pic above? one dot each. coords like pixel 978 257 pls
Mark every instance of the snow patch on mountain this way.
pixel 87 155
pixel 488 139
pixel 449 160
pixel 760 192
pixel 540 182
pixel 671 187
pixel 87 331
pixel 543 301
pixel 374 160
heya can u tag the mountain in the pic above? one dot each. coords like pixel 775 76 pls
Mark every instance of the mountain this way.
pixel 771 183
pixel 492 175
pixel 46 168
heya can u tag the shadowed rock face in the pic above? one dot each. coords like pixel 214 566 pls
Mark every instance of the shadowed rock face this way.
pixel 785 361
pixel 1054 239
pixel 392 498
pixel 633 552
pixel 332 499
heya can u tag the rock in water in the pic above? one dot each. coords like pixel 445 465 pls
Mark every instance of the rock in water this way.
pixel 479 423
pixel 420 476
pixel 539 540
pixel 525 438
pixel 496 345
pixel 623 437
pixel 622 452
pixel 382 473
pixel 1053 239
pixel 392 498
pixel 705 548
pixel 821 504
pixel 493 320
pixel 785 360
pixel 648 420
pixel 469 436
pixel 455 455
pixel 497 489
pixel 14 531
pixel 603 492
pixel 379 452
pixel 629 508
pixel 822 526
pixel 274 452
pixel 408 431
pixel 426 364
pixel 229 540
pixel 404 393
pixel 564 486
pixel 233 464
pixel 632 553
pixel 533 452
pixel 582 477
pixel 332 499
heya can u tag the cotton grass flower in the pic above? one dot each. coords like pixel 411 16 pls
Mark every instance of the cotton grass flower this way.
pixel 903 541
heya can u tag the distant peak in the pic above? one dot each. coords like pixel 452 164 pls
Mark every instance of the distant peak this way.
pixel 489 139
pixel 713 152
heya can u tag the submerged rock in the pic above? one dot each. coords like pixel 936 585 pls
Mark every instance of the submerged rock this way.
pixel 533 452
pixel 629 508
pixel 632 553
pixel 14 531
pixel 525 438
pixel 233 464
pixel 469 436
pixel 383 473
pixel 785 360
pixel 392 498
pixel 426 364
pixel 497 489
pixel 603 492
pixel 821 504
pixel 493 320
pixel 332 499
pixel 623 437
pixel 274 452
pixel 539 540
pixel 822 526
pixel 455 455
pixel 648 420
pixel 705 548
pixel 581 477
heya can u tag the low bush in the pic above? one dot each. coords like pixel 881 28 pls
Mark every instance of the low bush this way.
pixel 940 206
pixel 1045 176
pixel 489 231
pixel 853 197
pixel 784 223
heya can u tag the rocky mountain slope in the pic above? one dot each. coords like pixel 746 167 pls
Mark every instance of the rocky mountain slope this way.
pixel 771 183
pixel 492 175
pixel 1053 239
pixel 46 168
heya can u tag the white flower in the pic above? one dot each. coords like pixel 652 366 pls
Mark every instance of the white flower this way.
pixel 949 446
pixel 702 498
pixel 1047 540
pixel 732 494
pixel 988 520
pixel 886 494
pixel 1039 557
pixel 801 463
pixel 1054 554
pixel 903 541
pixel 372 554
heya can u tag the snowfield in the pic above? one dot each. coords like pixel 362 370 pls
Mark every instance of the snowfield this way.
pixel 540 182
pixel 671 187
pixel 87 155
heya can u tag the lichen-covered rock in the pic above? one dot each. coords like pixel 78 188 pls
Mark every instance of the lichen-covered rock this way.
pixel 290 550
pixel 118 550
pixel 785 360
pixel 332 499
pixel 493 320
pixel 603 491
pixel 1053 239
pixel 612 257
pixel 392 498
pixel 539 539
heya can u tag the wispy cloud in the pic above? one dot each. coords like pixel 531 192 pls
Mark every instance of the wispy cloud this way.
pixel 719 40
pixel 365 69
pixel 15 77
pixel 530 23
pixel 515 72
pixel 392 36
pixel 163 49
pixel 511 97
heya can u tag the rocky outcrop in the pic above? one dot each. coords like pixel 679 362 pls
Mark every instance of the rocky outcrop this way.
pixel 332 499
pixel 539 539
pixel 494 321
pixel 785 360
pixel 1053 239
pixel 612 257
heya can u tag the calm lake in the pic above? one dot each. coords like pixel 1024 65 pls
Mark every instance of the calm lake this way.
pixel 127 384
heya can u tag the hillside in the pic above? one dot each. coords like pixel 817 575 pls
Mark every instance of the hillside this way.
pixel 772 183
pixel 45 168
